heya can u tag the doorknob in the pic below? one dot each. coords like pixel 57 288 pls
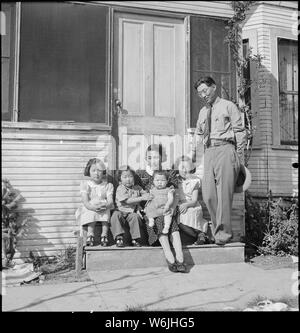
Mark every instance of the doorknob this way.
pixel 119 108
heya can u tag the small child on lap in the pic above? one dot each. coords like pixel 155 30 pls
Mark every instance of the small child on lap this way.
pixel 162 202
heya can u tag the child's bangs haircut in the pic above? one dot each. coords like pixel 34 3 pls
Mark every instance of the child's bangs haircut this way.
pixel 125 168
pixel 158 148
pixel 91 162
pixel 184 158
pixel 161 173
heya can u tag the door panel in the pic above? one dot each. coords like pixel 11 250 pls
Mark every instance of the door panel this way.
pixel 149 80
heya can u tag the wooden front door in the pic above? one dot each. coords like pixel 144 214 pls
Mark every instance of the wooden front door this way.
pixel 149 91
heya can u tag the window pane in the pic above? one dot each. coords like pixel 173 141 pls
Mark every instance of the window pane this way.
pixel 63 62
pixel 6 60
pixel 210 56
pixel 288 90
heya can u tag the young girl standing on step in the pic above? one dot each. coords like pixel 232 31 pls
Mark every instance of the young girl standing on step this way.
pixel 97 201
pixel 190 217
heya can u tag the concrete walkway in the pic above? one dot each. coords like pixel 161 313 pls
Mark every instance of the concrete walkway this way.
pixel 218 287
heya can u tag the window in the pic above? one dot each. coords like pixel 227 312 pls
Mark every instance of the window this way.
pixel 7 18
pixel 63 63
pixel 210 56
pixel 288 91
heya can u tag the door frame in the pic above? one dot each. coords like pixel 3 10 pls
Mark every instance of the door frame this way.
pixel 113 114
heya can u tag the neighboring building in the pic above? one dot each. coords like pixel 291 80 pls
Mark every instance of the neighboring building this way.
pixel 105 79
pixel 271 30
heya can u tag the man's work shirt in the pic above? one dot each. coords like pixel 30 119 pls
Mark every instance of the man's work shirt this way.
pixel 226 124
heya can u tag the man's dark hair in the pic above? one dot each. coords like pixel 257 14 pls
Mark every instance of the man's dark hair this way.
pixel 209 81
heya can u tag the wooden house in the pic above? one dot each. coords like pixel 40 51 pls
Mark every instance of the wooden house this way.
pixel 106 78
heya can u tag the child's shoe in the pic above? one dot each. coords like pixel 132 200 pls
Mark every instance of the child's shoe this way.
pixel 103 241
pixel 135 243
pixel 119 242
pixel 90 241
pixel 201 239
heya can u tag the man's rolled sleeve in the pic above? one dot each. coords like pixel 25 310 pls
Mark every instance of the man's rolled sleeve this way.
pixel 238 129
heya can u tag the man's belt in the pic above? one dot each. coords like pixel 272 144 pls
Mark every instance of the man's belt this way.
pixel 218 142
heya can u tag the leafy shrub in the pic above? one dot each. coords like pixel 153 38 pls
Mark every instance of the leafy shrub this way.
pixel 12 225
pixel 271 225
pixel 281 236
pixel 256 219
pixel 64 260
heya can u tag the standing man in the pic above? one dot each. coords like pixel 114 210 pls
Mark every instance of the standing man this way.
pixel 220 128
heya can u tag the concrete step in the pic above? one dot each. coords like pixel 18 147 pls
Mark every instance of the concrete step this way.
pixel 111 258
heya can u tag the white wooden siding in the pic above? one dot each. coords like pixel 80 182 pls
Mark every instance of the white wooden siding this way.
pixel 207 8
pixel 270 165
pixel 273 13
pixel 272 168
pixel 47 172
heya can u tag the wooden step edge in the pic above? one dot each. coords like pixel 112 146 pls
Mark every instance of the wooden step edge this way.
pixel 144 248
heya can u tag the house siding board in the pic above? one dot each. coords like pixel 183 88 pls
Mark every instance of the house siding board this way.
pixel 280 177
pixel 270 15
pixel 48 174
pixel 207 8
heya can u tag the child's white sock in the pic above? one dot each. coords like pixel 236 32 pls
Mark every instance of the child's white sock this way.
pixel 167 223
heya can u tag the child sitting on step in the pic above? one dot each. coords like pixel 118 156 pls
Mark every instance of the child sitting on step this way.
pixel 97 201
pixel 128 198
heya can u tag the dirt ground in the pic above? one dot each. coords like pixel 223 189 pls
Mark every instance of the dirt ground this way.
pixel 264 262
pixel 273 262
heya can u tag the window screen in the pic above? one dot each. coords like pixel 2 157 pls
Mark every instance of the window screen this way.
pixel 6 59
pixel 210 55
pixel 63 62
pixel 288 90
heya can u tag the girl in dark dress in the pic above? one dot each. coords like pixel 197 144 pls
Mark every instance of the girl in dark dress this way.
pixel 154 158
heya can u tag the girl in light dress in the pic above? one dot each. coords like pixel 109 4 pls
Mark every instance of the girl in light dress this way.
pixel 190 218
pixel 97 201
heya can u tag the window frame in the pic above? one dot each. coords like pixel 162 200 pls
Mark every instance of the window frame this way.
pixel 14 84
pixel 276 34
pixel 292 92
